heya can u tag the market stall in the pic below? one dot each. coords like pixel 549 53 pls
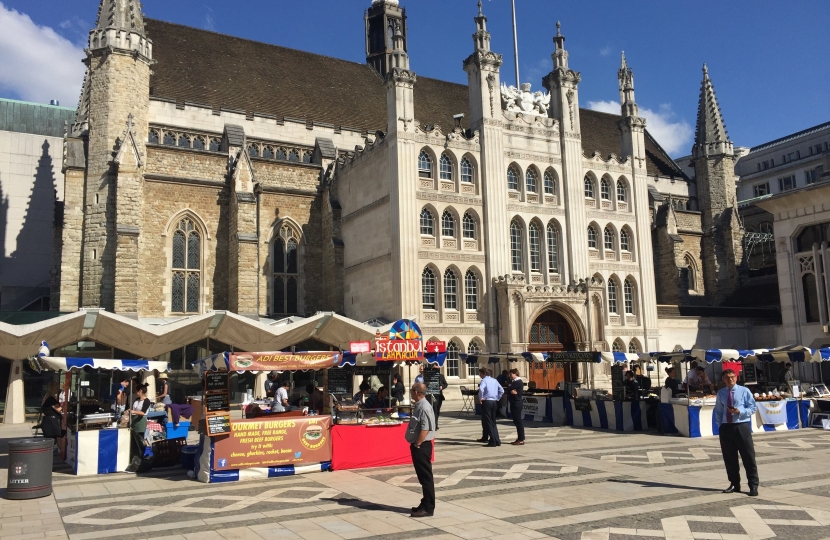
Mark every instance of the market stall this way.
pixel 96 443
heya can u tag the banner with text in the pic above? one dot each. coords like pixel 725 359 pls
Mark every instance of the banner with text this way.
pixel 282 361
pixel 772 412
pixel 263 442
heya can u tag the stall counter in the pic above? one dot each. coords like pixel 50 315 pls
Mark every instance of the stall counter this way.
pixel 358 446
pixel 98 451
pixel 698 421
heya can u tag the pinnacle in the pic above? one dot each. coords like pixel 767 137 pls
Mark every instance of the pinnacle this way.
pixel 710 128
pixel 122 15
pixel 623 65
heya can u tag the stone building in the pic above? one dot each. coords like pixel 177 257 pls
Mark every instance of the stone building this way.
pixel 501 218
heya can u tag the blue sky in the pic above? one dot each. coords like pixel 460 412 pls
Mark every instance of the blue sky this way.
pixel 768 59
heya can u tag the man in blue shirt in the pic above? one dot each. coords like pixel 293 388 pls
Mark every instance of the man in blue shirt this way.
pixel 734 409
pixel 489 394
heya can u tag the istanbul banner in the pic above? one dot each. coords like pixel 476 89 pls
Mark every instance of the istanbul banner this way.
pixel 772 412
pixel 262 442
pixel 405 342
pixel 282 361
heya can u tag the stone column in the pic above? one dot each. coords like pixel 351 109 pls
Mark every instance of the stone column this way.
pixel 15 398
pixel 72 230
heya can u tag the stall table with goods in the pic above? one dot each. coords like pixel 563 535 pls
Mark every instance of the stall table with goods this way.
pixel 692 414
pixel 96 441
pixel 270 444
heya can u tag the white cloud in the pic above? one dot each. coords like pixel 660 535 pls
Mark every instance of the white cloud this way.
pixel 208 23
pixel 674 135
pixel 38 64
pixel 605 51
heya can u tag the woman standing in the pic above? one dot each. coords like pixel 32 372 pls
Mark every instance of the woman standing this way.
pixel 138 414
pixel 163 393
pixel 50 422
pixel 398 389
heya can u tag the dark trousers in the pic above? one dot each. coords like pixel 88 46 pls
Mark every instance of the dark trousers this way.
pixel 488 421
pixel 737 439
pixel 436 408
pixel 423 469
pixel 516 413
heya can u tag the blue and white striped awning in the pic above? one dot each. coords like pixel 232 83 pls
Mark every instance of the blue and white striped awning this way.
pixel 620 357
pixel 368 359
pixel 56 363
pixel 789 353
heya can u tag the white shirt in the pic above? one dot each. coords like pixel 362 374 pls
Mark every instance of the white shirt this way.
pixel 282 395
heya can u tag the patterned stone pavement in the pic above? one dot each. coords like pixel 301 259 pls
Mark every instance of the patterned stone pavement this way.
pixel 566 483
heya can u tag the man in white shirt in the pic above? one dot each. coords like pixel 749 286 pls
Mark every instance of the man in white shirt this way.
pixel 280 403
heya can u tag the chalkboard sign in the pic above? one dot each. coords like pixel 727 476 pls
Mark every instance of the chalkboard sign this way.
pixel 217 402
pixel 219 424
pixel 749 374
pixel 216 381
pixel 432 378
pixel 582 404
pixel 617 382
pixel 340 381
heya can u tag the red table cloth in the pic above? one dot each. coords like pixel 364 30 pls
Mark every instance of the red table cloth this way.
pixel 359 447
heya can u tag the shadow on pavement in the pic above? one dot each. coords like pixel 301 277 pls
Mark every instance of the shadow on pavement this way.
pixel 364 505
pixel 645 483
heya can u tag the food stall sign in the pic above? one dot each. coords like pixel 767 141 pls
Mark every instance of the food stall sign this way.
pixel 218 424
pixel 405 342
pixel 217 403
pixel 436 346
pixel 216 381
pixel 360 347
pixel 283 361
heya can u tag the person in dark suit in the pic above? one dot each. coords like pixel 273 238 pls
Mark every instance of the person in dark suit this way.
pixel 632 389
pixel 437 400
pixel 514 397
pixel 489 394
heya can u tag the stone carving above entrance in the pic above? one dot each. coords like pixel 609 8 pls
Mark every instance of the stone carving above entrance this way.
pixel 522 100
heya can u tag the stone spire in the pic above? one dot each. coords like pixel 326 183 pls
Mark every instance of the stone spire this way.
pixel 120 26
pixel 560 55
pixel 481 39
pixel 628 104
pixel 711 138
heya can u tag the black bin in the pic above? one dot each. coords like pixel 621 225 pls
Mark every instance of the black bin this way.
pixel 30 468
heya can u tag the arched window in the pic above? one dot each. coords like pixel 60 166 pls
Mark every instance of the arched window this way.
pixel 428 289
pixel 307 157
pixel 473 348
pixel 153 136
pixel 512 179
pixel 687 274
pixel 470 291
pixel 469 226
pixel 589 187
pixel 427 223
pixel 622 192
pixel 215 143
pixel 286 272
pixel 617 346
pixel 515 246
pixel 253 150
pixel 198 143
pixel 612 296
pixel 605 190
pixel 281 154
pixel 169 138
pixel 628 291
pixel 294 156
pixel 535 248
pixel 530 180
pixel 268 152
pixel 550 184
pixel 450 290
pixel 553 250
pixel 453 358
pixel 592 237
pixel 466 171
pixel 608 238
pixel 447 225
pixel 625 241
pixel 187 275
pixel 446 167
pixel 424 165
pixel 184 141
pixel 633 348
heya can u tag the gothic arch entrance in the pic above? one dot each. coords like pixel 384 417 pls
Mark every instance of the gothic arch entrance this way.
pixel 551 332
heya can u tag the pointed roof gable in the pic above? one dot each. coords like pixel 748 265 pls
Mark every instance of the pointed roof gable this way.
pixel 711 137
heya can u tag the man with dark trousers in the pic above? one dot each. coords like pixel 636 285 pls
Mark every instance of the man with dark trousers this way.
pixel 437 400
pixel 734 409
pixel 419 434
pixel 489 394
pixel 514 397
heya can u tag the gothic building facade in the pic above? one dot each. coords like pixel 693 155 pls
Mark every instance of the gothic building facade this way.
pixel 501 218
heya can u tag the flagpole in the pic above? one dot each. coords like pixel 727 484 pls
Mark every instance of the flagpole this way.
pixel 515 44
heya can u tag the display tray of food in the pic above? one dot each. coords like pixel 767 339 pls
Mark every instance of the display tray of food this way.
pixel 347 406
pixel 96 419
pixel 381 420
pixel 771 396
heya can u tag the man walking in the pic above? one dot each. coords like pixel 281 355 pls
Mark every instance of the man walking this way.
pixel 438 400
pixel 733 410
pixel 419 435
pixel 514 396
pixel 489 394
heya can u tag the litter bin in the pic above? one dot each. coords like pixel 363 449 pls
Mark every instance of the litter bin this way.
pixel 30 468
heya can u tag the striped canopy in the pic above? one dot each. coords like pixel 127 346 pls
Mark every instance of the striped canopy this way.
pixel 55 363
pixel 368 359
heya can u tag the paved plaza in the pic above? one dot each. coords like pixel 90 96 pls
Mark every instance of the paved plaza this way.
pixel 565 483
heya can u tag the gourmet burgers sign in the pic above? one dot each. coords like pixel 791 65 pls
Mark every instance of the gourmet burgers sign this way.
pixel 282 361
pixel 405 342
pixel 274 441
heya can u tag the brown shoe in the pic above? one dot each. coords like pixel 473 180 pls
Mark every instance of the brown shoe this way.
pixel 421 513
pixel 518 443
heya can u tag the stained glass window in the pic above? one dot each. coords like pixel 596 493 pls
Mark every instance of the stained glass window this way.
pixel 186 265
pixel 286 272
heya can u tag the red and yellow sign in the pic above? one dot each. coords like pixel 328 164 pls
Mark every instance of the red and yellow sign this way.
pixel 273 441
pixel 282 361
pixel 399 349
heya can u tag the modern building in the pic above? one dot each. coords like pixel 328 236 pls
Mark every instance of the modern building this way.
pixel 503 219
